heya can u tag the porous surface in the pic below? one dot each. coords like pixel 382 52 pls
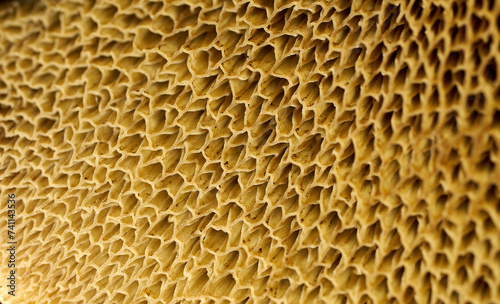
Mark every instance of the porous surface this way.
pixel 251 151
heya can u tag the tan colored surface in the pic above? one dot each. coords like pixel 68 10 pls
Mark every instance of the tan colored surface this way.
pixel 252 152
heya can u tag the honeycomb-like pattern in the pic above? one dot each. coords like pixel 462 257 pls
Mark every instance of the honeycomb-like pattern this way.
pixel 235 151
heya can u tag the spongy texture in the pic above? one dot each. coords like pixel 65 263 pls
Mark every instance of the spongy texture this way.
pixel 251 151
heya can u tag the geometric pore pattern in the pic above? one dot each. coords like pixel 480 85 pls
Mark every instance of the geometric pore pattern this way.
pixel 263 151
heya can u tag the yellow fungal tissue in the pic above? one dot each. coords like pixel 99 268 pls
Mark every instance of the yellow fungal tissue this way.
pixel 249 151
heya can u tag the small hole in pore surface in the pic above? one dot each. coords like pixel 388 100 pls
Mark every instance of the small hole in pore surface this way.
pixel 490 71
